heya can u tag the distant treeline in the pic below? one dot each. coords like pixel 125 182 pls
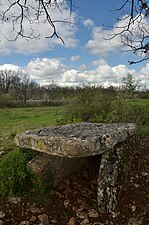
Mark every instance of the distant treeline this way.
pixel 17 89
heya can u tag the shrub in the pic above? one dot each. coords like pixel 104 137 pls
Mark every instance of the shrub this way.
pixel 89 104
pixel 6 100
pixel 94 104
pixel 119 110
pixel 40 188
pixel 16 178
pixel 14 174
pixel 125 111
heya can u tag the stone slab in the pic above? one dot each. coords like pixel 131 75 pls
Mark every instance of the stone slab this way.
pixel 76 140
pixel 113 172
pixel 59 167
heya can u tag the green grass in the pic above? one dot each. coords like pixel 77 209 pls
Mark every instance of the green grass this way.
pixel 16 178
pixel 144 131
pixel 139 101
pixel 16 120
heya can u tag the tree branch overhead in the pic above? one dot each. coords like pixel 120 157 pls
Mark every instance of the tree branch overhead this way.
pixel 28 13
pixel 135 31
pixel 23 15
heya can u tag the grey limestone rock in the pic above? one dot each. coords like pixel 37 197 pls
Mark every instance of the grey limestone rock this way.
pixel 76 140
pixel 65 148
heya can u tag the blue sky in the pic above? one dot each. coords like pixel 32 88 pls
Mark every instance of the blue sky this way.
pixel 86 56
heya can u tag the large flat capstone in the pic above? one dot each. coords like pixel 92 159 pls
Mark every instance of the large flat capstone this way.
pixel 64 149
pixel 76 140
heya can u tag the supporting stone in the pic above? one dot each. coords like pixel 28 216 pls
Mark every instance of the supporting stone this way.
pixel 59 167
pixel 113 172
pixel 65 148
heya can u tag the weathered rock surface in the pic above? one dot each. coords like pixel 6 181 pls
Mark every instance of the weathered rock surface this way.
pixel 65 148
pixel 113 172
pixel 2 215
pixel 76 140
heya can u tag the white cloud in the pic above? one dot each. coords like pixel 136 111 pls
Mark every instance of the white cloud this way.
pixel 101 74
pixel 99 62
pixel 105 41
pixel 74 76
pixel 144 75
pixel 88 23
pixel 121 71
pixel 46 70
pixel 100 45
pixel 70 76
pixel 75 58
pixel 145 69
pixel 82 67
pixel 10 67
pixel 40 30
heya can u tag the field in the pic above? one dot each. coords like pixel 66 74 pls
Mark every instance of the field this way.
pixel 17 120
pixel 140 101
pixel 133 203
pixel 143 130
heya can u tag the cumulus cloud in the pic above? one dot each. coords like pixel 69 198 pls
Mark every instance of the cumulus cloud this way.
pixel 103 73
pixel 75 58
pixel 121 71
pixel 105 41
pixel 143 76
pixel 88 23
pixel 46 70
pixel 99 62
pixel 74 77
pixel 10 67
pixel 39 30
pixel 100 45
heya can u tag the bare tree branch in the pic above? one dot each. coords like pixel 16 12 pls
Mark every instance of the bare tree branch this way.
pixel 134 32
pixel 19 12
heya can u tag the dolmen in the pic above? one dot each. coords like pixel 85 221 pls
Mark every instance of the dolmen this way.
pixel 64 149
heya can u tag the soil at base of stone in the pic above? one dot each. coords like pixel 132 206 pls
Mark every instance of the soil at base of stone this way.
pixel 74 202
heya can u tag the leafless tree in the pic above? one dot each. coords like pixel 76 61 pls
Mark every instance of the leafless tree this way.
pixel 134 30
pixel 24 87
pixel 7 78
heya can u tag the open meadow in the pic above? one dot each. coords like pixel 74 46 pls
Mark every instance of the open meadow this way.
pixel 17 120
pixel 133 203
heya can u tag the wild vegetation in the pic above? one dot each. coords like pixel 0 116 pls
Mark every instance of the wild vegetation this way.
pixel 126 104
pixel 94 105
pixel 18 90
pixel 17 179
